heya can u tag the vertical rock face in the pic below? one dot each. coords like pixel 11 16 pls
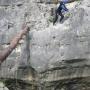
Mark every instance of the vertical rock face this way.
pixel 12 18
pixel 17 66
pixel 9 2
pixel 69 66
pixel 60 52
pixel 67 41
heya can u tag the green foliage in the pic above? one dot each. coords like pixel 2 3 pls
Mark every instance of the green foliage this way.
pixel 51 19
pixel 68 14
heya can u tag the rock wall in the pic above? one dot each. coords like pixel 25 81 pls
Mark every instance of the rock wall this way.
pixel 13 15
pixel 70 62
pixel 46 47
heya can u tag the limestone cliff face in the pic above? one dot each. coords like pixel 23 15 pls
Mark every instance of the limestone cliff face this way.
pixel 62 51
pixel 70 62
pixel 13 15
pixel 67 41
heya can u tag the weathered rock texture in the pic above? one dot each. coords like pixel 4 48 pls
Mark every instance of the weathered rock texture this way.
pixel 61 52
pixel 69 66
pixel 17 66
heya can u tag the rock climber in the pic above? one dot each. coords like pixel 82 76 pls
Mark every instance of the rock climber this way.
pixel 60 11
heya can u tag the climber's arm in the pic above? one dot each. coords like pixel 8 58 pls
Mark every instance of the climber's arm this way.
pixel 64 7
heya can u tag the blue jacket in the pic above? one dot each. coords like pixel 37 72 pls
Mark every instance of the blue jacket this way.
pixel 62 7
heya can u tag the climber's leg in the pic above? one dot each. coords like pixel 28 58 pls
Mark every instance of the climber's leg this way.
pixel 62 16
pixel 55 19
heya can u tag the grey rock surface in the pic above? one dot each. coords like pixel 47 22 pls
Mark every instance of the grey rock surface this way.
pixel 60 52
pixel 66 41
pixel 47 44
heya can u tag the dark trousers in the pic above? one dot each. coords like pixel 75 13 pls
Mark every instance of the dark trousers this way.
pixel 56 17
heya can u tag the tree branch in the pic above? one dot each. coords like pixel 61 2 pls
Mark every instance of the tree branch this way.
pixel 5 53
